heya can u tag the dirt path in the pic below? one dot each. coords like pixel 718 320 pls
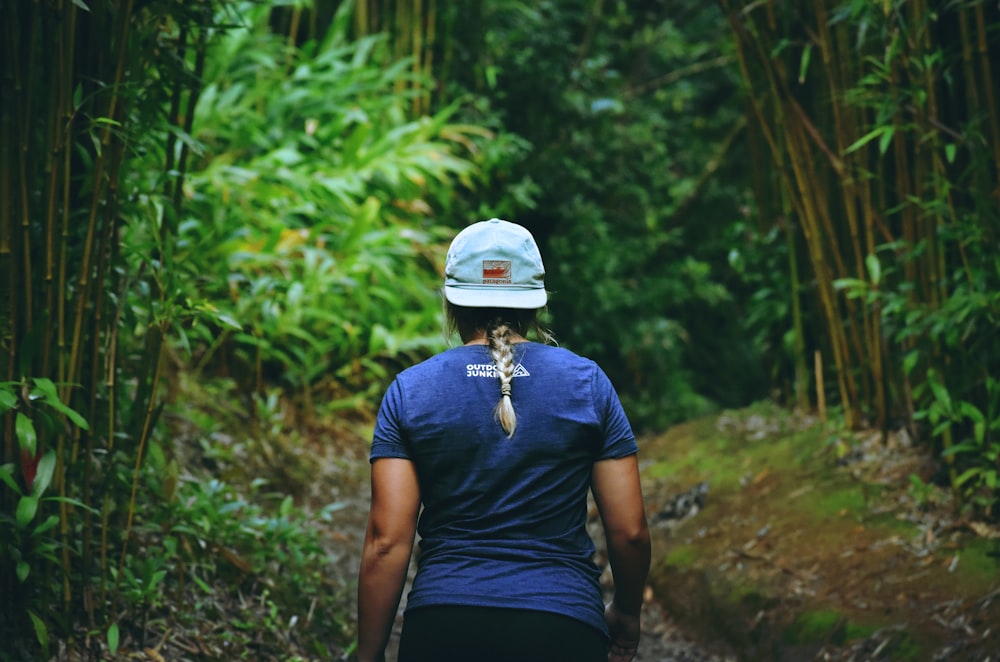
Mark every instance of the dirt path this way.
pixel 662 640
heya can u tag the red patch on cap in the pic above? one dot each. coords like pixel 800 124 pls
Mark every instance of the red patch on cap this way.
pixel 496 272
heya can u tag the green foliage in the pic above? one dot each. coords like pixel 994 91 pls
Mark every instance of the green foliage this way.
pixel 28 539
pixel 627 186
pixel 205 540
pixel 310 237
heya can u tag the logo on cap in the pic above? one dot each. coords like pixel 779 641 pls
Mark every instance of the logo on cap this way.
pixel 496 272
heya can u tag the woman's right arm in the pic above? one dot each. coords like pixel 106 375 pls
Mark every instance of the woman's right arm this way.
pixel 618 493
pixel 392 524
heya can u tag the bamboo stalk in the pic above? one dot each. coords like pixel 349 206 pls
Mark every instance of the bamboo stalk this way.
pixel 430 34
pixel 824 279
pixel 24 90
pixel 801 372
pixel 416 52
pixel 8 330
pixel 814 219
pixel 820 389
pixel 845 132
pixel 84 282
pixel 147 423
pixel 777 153
pixel 987 77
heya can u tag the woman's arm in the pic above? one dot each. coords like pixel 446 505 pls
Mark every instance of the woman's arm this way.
pixel 618 494
pixel 392 525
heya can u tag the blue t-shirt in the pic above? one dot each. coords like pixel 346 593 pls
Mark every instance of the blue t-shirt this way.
pixel 504 519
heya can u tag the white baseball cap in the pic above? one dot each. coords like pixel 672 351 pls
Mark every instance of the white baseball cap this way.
pixel 494 264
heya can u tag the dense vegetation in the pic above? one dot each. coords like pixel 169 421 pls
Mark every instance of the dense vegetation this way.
pixel 226 220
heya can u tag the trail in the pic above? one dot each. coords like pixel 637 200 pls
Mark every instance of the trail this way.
pixel 661 640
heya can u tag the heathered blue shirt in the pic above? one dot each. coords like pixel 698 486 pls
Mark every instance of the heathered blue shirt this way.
pixel 504 520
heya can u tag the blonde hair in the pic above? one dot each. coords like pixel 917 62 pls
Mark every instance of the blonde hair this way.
pixel 499 324
pixel 502 351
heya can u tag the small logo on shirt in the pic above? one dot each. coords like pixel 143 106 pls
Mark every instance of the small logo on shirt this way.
pixel 490 370
pixel 496 272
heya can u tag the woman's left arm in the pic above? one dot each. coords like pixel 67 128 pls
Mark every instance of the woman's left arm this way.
pixel 392 525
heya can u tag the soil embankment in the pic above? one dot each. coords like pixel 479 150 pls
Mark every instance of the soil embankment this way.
pixel 805 545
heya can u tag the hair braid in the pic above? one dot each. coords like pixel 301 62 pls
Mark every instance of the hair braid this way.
pixel 502 352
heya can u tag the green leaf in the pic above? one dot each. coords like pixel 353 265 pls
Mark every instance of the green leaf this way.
pixel 940 392
pixel 867 138
pixel 886 139
pixel 43 477
pixel 41 631
pixel 27 506
pixel 874 269
pixel 7 476
pixel 45 387
pixel 804 63
pixel 113 639
pixel 23 569
pixel 949 152
pixel 7 401
pixel 49 522
pixel 970 411
pixel 26 437
pixel 967 475
pixel 73 502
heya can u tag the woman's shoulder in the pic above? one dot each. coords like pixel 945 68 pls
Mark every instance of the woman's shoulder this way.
pixel 444 360
pixel 559 354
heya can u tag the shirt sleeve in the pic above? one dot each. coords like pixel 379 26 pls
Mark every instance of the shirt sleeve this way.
pixel 389 438
pixel 619 440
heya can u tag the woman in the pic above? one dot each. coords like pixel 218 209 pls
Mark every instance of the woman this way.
pixel 500 441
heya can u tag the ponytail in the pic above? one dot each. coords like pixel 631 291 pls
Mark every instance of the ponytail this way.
pixel 503 356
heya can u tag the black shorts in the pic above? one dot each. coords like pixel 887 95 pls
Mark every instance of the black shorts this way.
pixel 488 634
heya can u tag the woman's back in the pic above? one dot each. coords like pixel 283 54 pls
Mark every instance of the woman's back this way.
pixel 496 507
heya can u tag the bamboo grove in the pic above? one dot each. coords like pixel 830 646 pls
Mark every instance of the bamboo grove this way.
pixel 881 121
pixel 81 84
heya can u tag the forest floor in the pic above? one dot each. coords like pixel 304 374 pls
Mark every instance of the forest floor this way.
pixel 800 544
pixel 775 539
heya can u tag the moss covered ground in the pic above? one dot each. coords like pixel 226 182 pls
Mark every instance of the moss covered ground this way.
pixel 813 544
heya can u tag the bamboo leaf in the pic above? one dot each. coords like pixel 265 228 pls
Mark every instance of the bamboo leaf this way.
pixel 874 269
pixel 22 571
pixel 940 392
pixel 804 63
pixel 41 632
pixel 949 152
pixel 886 140
pixel 966 475
pixel 74 502
pixel 867 138
pixel 47 389
pixel 113 639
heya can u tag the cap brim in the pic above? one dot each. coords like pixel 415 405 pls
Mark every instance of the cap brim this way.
pixel 491 297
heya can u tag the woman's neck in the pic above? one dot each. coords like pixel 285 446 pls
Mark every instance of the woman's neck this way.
pixel 479 338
